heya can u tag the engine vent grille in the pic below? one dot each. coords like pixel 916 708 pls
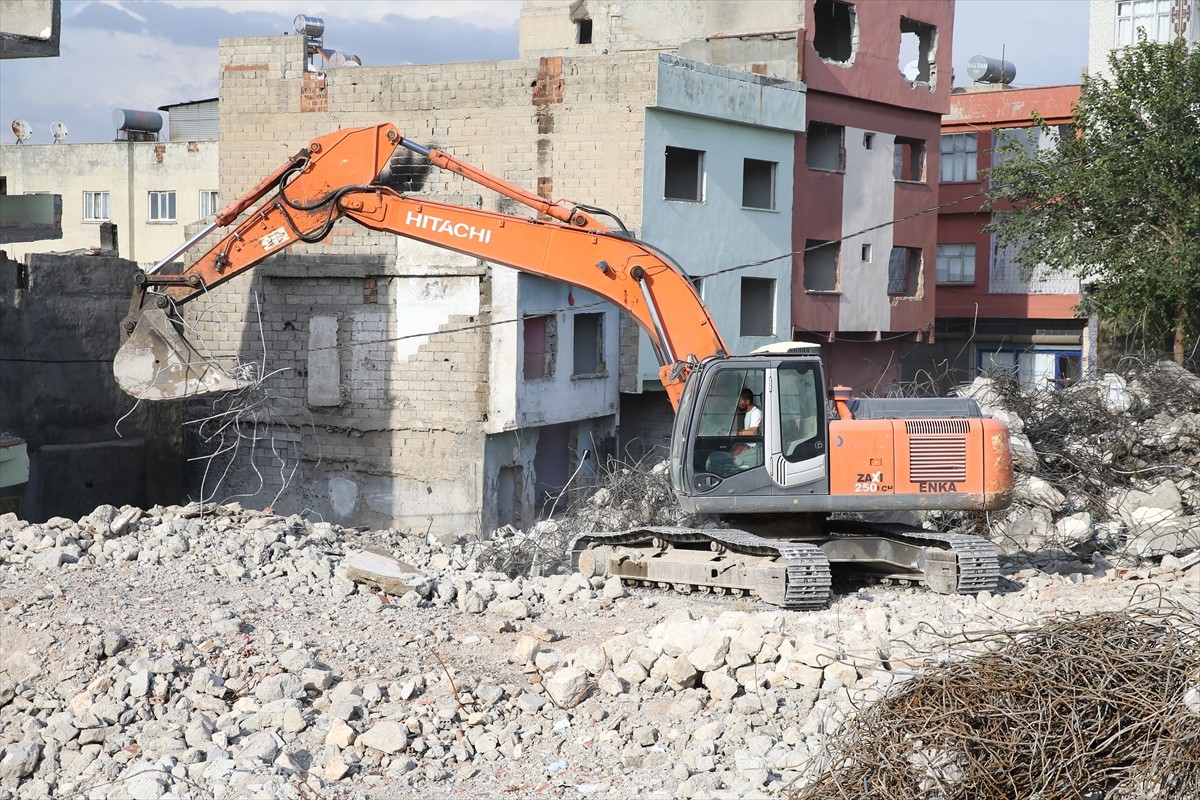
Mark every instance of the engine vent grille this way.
pixel 937 457
pixel 923 426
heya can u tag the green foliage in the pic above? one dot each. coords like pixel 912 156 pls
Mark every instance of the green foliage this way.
pixel 1118 203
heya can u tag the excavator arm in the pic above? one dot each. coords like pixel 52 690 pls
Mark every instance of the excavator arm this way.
pixel 333 178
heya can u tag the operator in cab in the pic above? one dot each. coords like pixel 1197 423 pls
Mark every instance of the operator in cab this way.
pixel 751 414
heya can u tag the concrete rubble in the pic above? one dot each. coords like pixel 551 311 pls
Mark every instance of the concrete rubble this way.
pixel 222 652
pixel 169 653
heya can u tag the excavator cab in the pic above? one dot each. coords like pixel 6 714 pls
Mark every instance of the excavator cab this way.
pixel 716 470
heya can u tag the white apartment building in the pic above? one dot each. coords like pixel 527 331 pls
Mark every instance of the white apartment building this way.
pixel 1115 23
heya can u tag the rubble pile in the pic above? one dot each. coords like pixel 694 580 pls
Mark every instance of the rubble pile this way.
pixel 190 652
pixel 1109 466
pixel 625 496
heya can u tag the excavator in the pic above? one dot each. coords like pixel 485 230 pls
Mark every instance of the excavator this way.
pixel 791 498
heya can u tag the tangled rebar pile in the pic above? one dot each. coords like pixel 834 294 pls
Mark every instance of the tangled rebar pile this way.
pixel 1099 707
pixel 1089 441
pixel 622 495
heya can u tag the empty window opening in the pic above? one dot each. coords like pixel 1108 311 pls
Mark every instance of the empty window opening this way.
pixel 908 161
pixel 916 50
pixel 824 148
pixel 698 285
pixel 866 254
pixel 583 31
pixel 956 263
pixel 960 157
pixel 208 203
pixel 904 272
pixel 539 340
pixel 510 497
pixel 1033 367
pixel 821 266
pixel 589 345
pixel 758 184
pixel 162 207
pixel 684 175
pixel 758 306
pixel 95 207
pixel 868 141
pixel 834 33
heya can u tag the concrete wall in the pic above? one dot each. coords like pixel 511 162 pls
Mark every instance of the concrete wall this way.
pixel 30 28
pixel 548 27
pixel 128 171
pixel 89 443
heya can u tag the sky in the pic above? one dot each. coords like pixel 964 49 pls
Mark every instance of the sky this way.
pixel 142 54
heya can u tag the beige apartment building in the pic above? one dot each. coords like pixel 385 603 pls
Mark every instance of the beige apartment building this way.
pixel 149 189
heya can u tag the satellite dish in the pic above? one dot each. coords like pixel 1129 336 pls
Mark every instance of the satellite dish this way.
pixel 21 129
pixel 911 70
pixel 59 131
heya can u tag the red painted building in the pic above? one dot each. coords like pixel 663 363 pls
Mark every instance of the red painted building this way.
pixel 988 313
pixel 879 80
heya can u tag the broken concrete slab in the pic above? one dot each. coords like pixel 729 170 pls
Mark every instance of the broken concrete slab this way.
pixel 374 567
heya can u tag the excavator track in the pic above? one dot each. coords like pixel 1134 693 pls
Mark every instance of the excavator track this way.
pixel 722 561
pixel 792 575
pixel 948 563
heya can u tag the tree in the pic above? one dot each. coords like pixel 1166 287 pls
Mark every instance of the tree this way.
pixel 1116 201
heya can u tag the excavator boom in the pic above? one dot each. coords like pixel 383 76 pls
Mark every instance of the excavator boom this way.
pixel 333 178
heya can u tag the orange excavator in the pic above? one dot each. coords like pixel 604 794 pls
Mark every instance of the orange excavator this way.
pixel 785 491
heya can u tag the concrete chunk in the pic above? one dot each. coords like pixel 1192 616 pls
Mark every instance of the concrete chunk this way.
pixel 374 567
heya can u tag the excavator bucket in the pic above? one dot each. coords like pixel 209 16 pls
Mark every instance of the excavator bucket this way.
pixel 157 363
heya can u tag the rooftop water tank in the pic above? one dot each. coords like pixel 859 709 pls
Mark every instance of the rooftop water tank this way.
pixel 990 70
pixel 148 121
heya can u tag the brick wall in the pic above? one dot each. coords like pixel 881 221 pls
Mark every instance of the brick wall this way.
pixel 578 133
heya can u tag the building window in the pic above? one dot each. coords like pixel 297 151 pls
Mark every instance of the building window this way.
pixel 904 272
pixel 821 266
pixel 162 206
pixel 539 339
pixel 823 147
pixel 908 160
pixel 833 37
pixel 589 345
pixel 1153 16
pixel 95 207
pixel 684 175
pixel 960 156
pixel 916 48
pixel 208 202
pixel 698 285
pixel 866 254
pixel 868 141
pixel 956 263
pixel 583 31
pixel 758 306
pixel 758 184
